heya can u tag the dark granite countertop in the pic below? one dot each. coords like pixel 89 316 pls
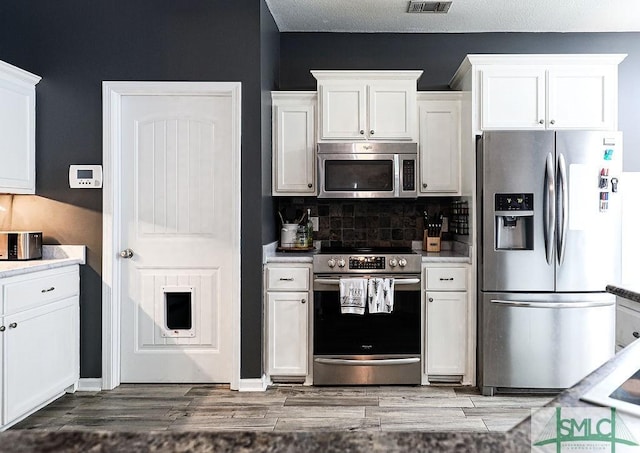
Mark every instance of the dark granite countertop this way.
pixel 630 292
pixel 515 440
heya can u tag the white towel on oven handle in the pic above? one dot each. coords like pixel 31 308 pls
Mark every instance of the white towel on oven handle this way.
pixel 380 295
pixel 353 295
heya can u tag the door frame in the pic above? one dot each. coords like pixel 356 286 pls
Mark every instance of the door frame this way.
pixel 112 93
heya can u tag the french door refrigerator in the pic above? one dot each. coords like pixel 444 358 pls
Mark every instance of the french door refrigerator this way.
pixel 549 228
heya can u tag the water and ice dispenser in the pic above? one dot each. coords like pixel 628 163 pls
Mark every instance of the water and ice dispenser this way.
pixel 514 221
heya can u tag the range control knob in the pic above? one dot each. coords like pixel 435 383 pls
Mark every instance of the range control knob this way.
pixel 341 262
pixel 393 262
pixel 402 262
pixel 331 263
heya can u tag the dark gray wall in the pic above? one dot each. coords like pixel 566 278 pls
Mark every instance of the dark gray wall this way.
pixel 439 55
pixel 75 45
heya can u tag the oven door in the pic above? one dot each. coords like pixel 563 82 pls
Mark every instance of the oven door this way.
pixel 379 348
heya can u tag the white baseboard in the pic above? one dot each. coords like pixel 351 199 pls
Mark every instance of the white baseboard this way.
pixel 253 385
pixel 89 385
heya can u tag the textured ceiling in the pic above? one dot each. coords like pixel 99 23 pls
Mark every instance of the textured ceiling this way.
pixel 359 16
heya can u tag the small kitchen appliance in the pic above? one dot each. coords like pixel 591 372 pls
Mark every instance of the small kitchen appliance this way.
pixel 20 245
pixel 368 170
pixel 374 348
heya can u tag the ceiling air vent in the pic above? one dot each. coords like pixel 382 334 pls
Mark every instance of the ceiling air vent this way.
pixel 428 7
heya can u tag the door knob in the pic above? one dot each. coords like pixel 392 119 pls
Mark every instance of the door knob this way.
pixel 126 253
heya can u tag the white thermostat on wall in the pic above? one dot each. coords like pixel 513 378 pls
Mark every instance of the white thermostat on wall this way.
pixel 85 176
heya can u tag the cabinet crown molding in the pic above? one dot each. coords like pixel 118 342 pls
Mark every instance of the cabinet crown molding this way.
pixel 20 75
pixel 533 59
pixel 366 74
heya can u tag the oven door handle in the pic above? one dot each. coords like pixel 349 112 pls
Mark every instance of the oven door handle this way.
pixel 356 362
pixel 397 281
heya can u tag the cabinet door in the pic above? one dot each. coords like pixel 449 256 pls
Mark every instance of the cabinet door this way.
pixel 391 111
pixel 17 137
pixel 287 333
pixel 294 149
pixel 41 355
pixel 512 98
pixel 582 97
pixel 627 326
pixel 446 333
pixel 342 110
pixel 439 147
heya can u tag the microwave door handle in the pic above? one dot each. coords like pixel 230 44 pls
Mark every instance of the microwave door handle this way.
pixel 397 182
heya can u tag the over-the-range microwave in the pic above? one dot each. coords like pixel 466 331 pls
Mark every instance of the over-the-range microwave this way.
pixel 368 170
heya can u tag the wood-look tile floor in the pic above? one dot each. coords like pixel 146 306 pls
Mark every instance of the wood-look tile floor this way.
pixel 138 407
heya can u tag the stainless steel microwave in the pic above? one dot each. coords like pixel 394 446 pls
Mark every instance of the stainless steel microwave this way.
pixel 368 170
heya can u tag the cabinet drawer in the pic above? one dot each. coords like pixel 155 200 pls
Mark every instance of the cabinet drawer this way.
pixel 627 326
pixel 287 278
pixel 447 279
pixel 39 289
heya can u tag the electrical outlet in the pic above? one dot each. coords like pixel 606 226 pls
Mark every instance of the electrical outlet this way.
pixel 315 222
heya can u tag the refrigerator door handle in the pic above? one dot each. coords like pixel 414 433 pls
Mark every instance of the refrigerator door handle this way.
pixel 524 304
pixel 564 203
pixel 550 208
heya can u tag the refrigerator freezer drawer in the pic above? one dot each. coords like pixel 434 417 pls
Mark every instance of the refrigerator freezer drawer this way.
pixel 543 341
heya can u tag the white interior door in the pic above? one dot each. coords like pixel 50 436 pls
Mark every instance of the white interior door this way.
pixel 179 219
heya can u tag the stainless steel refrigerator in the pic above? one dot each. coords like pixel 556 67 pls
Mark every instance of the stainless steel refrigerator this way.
pixel 549 228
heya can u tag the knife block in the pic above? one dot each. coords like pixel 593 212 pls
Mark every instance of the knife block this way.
pixel 431 243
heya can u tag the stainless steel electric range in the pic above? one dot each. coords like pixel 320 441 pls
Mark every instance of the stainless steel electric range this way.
pixel 373 348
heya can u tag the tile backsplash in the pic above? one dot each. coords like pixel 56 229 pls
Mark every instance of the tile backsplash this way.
pixel 366 222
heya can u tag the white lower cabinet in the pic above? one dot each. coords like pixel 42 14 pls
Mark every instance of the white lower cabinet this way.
pixel 287 302
pixel 287 333
pixel 39 344
pixel 627 322
pixel 446 333
pixel 448 336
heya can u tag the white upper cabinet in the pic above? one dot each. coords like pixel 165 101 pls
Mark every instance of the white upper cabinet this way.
pixel 553 92
pixel 512 98
pixel 367 105
pixel 17 130
pixel 582 97
pixel 294 166
pixel 439 151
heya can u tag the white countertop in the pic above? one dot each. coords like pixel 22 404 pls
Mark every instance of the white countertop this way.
pixel 53 256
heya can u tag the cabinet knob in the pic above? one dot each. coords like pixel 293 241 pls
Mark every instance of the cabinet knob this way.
pixel 424 185
pixel 541 121
pixel 446 279
pixel 304 301
pixel 309 185
pixel 48 290
pixel 431 299
pixel 371 132
pixel 13 325
pixel 553 121
pixel 636 335
pixel 361 131
pixel 2 328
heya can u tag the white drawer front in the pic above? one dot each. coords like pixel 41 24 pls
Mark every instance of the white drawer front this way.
pixel 447 279
pixel 39 290
pixel 287 278
pixel 627 326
